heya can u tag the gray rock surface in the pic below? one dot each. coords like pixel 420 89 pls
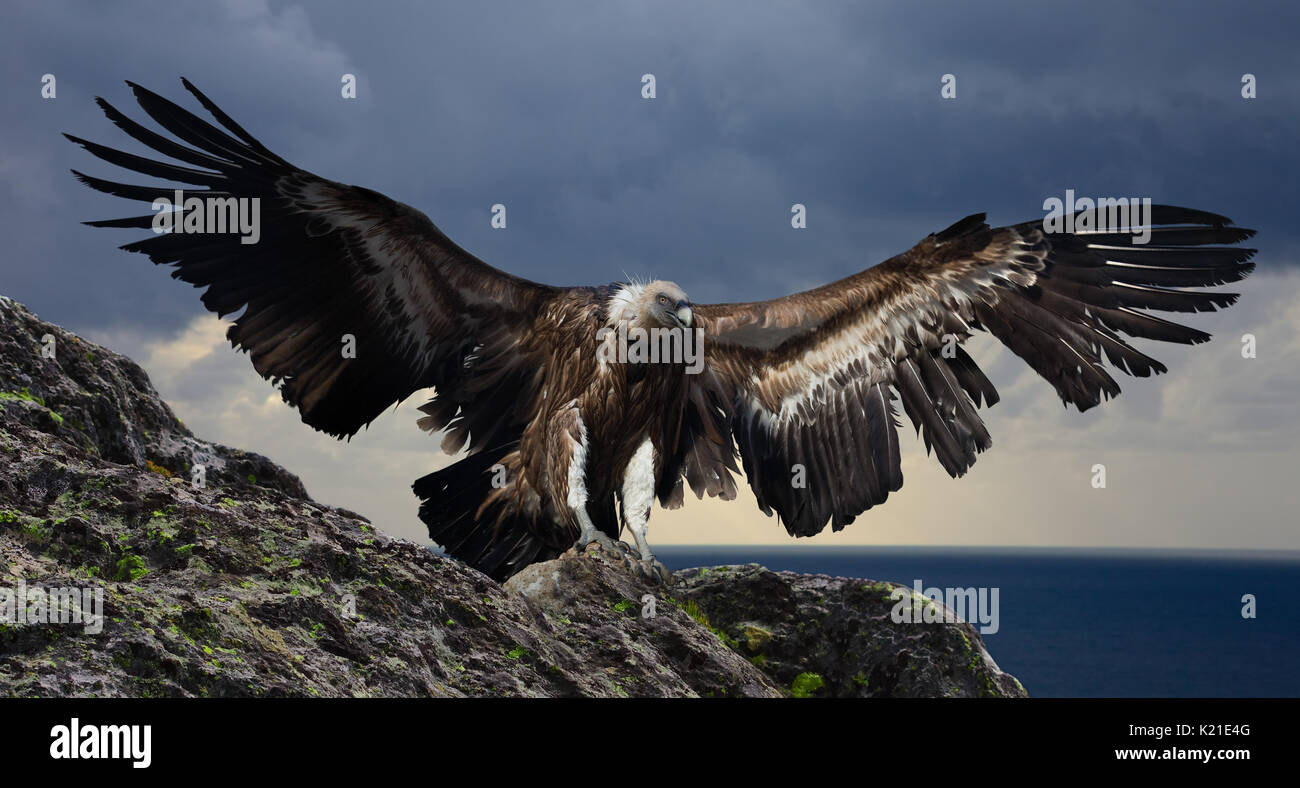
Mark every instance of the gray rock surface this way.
pixel 246 586
pixel 839 630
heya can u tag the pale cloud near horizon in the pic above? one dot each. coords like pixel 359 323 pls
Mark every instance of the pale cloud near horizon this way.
pixel 1201 457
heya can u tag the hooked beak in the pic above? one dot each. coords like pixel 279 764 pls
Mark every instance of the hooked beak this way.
pixel 684 315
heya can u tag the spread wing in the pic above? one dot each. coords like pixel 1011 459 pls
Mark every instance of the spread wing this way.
pixel 333 265
pixel 810 380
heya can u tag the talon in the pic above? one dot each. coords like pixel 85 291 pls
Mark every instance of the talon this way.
pixel 665 575
pixel 651 569
pixel 586 537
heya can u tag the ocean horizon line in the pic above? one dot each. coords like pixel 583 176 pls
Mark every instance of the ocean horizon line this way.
pixel 1210 553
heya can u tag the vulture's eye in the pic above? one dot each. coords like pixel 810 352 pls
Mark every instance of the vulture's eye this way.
pixel 663 299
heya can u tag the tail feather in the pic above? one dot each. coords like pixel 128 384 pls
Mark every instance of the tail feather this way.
pixel 477 529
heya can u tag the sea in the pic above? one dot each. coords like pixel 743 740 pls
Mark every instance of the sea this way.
pixel 1084 623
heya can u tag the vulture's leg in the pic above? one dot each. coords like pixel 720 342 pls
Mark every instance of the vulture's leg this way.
pixel 638 497
pixel 576 432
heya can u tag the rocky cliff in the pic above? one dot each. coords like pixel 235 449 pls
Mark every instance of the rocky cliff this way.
pixel 219 576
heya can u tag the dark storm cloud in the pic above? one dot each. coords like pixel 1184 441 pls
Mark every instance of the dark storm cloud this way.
pixel 760 105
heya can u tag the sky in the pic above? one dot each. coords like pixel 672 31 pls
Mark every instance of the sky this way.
pixel 758 106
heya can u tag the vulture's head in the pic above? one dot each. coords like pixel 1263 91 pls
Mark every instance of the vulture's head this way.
pixel 663 304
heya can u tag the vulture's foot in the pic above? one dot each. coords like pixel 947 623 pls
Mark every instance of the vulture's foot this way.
pixel 647 565
pixel 643 564
pixel 613 547
pixel 651 569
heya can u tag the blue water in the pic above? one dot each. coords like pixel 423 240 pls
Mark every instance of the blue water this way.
pixel 1087 623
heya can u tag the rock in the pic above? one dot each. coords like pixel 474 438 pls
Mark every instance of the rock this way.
pixel 834 636
pixel 246 587
pixel 103 404
pixel 607 620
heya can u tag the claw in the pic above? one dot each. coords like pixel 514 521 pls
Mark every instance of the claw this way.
pixel 651 569
pixel 586 537
pixel 640 562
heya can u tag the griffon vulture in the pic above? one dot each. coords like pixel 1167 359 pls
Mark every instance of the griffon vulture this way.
pixel 557 431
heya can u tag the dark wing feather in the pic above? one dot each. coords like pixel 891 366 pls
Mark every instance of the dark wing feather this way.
pixel 809 380
pixel 334 260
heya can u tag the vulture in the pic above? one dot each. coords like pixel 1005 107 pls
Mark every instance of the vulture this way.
pixel 565 443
